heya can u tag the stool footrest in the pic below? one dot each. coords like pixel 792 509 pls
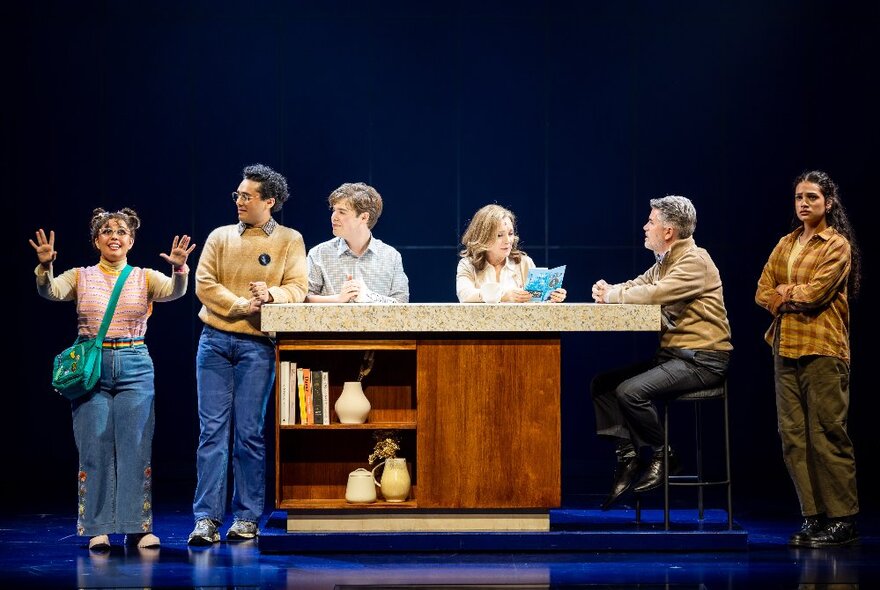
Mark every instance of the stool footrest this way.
pixel 699 483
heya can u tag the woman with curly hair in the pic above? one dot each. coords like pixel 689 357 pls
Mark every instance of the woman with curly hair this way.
pixel 113 423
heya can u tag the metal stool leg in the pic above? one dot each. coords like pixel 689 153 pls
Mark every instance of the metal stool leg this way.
pixel 666 465
pixel 698 429
pixel 727 463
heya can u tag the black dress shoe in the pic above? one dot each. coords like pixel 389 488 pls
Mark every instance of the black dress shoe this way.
pixel 809 528
pixel 624 473
pixel 653 476
pixel 835 534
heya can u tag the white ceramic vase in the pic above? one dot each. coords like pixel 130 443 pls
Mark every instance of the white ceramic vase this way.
pixel 352 407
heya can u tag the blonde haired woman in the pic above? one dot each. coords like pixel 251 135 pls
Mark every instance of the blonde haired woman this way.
pixel 491 255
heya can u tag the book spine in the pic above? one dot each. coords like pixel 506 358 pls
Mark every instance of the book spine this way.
pixel 325 396
pixel 301 396
pixel 284 393
pixel 307 393
pixel 317 377
pixel 291 403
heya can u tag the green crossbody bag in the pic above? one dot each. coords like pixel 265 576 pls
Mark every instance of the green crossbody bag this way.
pixel 76 370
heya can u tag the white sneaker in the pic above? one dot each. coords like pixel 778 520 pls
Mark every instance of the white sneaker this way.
pixel 205 533
pixel 241 530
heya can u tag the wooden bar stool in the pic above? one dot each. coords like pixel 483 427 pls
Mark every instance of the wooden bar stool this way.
pixel 696 479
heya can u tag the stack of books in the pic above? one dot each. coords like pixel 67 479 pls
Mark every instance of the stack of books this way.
pixel 305 395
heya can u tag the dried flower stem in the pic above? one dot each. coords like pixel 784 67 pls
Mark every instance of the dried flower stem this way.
pixel 366 364
pixel 387 445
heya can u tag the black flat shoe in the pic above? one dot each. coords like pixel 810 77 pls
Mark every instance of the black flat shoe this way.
pixel 809 528
pixel 624 473
pixel 653 476
pixel 836 533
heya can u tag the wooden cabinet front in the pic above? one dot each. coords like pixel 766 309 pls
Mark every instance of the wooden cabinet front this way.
pixel 478 422
pixel 489 425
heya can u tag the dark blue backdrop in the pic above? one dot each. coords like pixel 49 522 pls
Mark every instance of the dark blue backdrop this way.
pixel 573 114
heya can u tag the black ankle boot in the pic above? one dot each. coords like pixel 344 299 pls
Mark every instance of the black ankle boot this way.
pixel 624 473
pixel 809 528
pixel 838 532
pixel 653 476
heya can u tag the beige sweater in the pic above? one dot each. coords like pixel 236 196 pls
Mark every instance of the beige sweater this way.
pixel 229 262
pixel 687 286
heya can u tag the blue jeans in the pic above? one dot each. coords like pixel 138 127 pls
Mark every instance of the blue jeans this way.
pixel 624 398
pixel 113 429
pixel 235 374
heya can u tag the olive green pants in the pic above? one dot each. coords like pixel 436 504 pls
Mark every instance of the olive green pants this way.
pixel 812 403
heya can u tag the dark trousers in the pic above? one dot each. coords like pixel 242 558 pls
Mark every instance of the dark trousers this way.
pixel 624 398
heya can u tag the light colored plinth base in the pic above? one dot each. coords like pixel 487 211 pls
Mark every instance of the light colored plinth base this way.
pixel 417 522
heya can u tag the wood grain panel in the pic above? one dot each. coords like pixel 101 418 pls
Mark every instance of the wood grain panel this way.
pixel 489 423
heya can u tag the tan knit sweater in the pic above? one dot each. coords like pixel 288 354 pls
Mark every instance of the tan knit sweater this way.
pixel 687 286
pixel 230 261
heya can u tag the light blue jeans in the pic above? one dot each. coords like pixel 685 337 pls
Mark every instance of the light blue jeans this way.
pixel 113 429
pixel 235 374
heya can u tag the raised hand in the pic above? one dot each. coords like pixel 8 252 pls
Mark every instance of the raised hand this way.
pixel 45 247
pixel 180 250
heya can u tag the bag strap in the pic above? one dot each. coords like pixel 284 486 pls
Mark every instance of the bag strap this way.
pixel 111 305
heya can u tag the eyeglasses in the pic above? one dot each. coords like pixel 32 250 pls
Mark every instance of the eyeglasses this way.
pixel 109 231
pixel 243 196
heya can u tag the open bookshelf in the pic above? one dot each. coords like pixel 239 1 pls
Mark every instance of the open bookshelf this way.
pixel 313 461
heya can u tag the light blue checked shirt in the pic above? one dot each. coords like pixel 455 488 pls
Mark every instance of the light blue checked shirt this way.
pixel 380 267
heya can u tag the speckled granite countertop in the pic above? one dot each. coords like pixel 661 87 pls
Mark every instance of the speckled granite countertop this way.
pixel 459 317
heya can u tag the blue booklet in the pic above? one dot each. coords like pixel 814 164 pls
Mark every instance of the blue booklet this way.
pixel 541 281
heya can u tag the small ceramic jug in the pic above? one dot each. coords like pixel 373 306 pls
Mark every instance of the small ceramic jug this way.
pixel 352 407
pixel 361 487
pixel 395 481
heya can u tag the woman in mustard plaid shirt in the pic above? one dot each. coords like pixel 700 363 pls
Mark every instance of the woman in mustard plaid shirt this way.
pixel 806 285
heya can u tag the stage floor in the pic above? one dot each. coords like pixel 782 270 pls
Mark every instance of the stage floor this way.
pixel 40 550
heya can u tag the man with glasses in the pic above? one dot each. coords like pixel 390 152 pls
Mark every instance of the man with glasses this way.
pixel 242 267
pixel 356 265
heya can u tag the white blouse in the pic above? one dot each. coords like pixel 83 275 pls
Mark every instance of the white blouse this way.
pixel 468 280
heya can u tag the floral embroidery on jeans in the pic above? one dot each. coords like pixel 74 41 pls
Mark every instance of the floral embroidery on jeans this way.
pixel 147 522
pixel 81 508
